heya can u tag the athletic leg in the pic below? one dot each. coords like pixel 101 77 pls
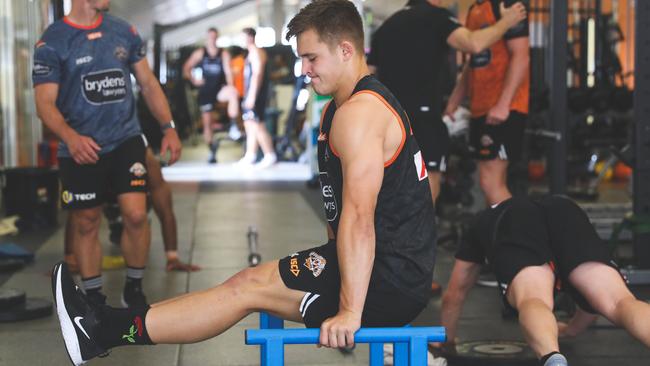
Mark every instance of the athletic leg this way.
pixel 604 289
pixel 531 293
pixel 253 289
pixel 493 180
pixel 229 94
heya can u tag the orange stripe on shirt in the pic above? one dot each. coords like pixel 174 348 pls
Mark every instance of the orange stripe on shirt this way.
pixel 399 119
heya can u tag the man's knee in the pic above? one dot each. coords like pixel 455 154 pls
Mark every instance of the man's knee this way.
pixel 532 284
pixel 135 218
pixel 254 279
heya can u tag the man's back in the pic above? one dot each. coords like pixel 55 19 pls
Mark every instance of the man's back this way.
pixel 410 46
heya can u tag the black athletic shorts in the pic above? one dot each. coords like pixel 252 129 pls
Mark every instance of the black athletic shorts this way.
pixel 316 272
pixel 553 230
pixel 120 171
pixel 503 141
pixel 257 113
pixel 207 97
pixel 431 134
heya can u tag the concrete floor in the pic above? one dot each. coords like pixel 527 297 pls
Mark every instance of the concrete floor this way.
pixel 213 219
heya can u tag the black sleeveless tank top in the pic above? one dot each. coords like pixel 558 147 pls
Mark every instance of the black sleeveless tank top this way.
pixel 404 216
pixel 213 68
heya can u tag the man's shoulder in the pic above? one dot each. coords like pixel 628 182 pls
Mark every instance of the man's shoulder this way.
pixel 55 32
pixel 54 37
pixel 365 106
pixel 119 25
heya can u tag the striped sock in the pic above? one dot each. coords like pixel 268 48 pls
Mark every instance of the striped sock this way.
pixel 133 273
pixel 92 284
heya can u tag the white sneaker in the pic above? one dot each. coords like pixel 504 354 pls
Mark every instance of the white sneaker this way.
pixel 267 161
pixel 431 360
pixel 246 160
pixel 234 133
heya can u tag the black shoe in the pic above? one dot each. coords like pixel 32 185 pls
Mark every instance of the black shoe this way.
pixel 133 297
pixel 214 145
pixel 96 297
pixel 77 316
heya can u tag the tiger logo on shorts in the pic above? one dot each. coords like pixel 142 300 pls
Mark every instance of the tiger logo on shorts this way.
pixel 315 263
pixel 138 169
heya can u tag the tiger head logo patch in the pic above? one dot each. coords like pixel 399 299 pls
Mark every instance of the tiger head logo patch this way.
pixel 315 263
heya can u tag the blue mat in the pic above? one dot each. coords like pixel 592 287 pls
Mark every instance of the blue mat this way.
pixel 11 250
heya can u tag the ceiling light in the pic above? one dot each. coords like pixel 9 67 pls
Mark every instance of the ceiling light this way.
pixel 211 4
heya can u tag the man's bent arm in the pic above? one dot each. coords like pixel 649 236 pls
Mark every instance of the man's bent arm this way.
pixel 463 276
pixel 192 61
pixel 461 88
pixel 152 92
pixel 476 41
pixel 45 96
pixel 360 147
pixel 517 68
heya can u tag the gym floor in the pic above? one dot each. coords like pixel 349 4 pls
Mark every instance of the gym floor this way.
pixel 213 219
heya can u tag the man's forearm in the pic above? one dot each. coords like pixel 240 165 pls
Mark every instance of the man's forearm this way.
pixel 516 74
pixel 452 305
pixel 460 90
pixel 356 256
pixel 53 119
pixel 486 37
pixel 156 101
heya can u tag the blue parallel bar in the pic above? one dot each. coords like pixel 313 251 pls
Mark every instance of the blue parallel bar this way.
pixel 401 354
pixel 410 343
pixel 268 321
pixel 363 335
pixel 376 354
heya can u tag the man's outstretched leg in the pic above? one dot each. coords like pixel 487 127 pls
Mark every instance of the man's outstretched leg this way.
pixel 604 289
pixel 531 293
pixel 90 330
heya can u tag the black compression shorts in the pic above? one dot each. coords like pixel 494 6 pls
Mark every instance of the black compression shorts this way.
pixel 503 141
pixel 316 272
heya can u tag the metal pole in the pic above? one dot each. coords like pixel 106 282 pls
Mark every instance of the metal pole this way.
pixel 558 103
pixel 642 125
pixel 157 48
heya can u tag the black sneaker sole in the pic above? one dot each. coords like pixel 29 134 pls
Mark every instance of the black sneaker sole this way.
pixel 67 328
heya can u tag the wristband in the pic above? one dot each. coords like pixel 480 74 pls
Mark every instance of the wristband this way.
pixel 167 126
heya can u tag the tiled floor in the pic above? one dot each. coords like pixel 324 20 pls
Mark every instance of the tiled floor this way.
pixel 213 220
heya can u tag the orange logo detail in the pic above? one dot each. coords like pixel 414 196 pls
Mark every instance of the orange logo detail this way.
pixel 293 266
pixel 138 183
pixel 94 35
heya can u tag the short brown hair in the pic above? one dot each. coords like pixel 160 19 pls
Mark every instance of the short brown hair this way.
pixel 332 20
pixel 249 32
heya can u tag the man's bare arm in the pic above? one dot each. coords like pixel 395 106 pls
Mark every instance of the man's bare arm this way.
pixel 359 144
pixel 468 41
pixel 227 71
pixel 157 103
pixel 459 92
pixel 258 62
pixel 463 276
pixel 517 68
pixel 191 62
pixel 84 150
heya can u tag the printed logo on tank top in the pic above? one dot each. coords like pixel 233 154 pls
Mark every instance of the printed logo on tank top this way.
pixel 420 167
pixel 103 87
pixel 329 199
pixel 212 68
